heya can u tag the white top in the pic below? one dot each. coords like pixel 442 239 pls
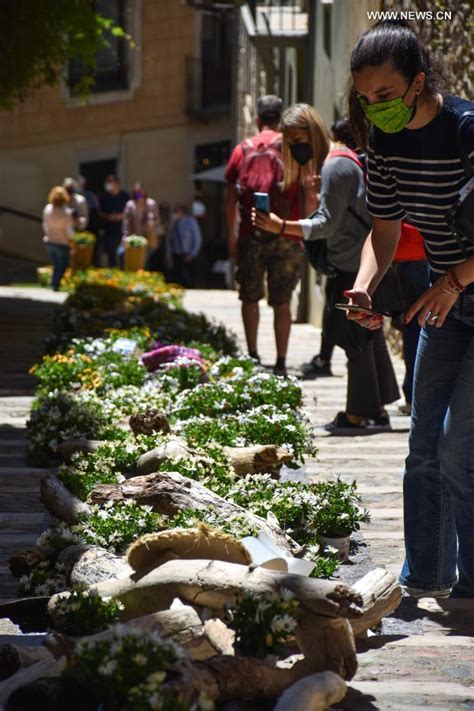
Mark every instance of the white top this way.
pixel 57 224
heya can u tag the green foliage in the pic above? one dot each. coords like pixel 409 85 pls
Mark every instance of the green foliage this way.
pixel 83 239
pixel 136 241
pixel 39 38
pixel 306 511
pixel 237 394
pixel 263 623
pixel 108 465
pixel 127 670
pixel 212 469
pixel 84 612
pixel 59 416
pixel 235 525
pixel 46 578
pixel 261 425
pixel 115 525
pixel 338 513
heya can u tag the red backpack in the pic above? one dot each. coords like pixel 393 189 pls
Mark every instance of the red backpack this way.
pixel 261 171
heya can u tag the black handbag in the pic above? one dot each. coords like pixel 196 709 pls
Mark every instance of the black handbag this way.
pixel 460 218
pixel 316 251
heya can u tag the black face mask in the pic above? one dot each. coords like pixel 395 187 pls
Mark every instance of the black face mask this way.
pixel 301 152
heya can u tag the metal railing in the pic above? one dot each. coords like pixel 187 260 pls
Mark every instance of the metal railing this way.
pixel 19 213
pixel 278 15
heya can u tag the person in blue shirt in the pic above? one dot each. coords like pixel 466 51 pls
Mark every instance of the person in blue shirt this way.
pixel 112 205
pixel 186 241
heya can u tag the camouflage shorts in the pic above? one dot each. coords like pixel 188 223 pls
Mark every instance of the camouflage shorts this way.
pixel 279 258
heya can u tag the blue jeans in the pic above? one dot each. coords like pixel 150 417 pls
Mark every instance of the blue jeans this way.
pixel 439 474
pixel 416 276
pixel 59 255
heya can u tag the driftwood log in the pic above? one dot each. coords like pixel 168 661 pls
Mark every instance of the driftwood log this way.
pixel 381 595
pixel 47 667
pixel 313 693
pixel 149 422
pixel 213 584
pixel 244 460
pixel 91 564
pixel 170 492
pixel 24 562
pixel 17 656
pixel 256 459
pixel 70 446
pixel 59 501
pixel 181 623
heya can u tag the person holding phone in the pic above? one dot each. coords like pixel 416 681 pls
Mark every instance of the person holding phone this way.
pixel 415 171
pixel 342 220
pixel 255 172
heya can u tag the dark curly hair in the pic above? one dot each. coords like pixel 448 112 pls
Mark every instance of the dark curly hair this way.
pixel 395 42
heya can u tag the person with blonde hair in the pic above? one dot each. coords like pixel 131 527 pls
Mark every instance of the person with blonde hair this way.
pixel 256 166
pixel 58 229
pixel 343 221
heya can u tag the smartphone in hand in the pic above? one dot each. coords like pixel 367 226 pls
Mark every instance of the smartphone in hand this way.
pixel 353 308
pixel 262 201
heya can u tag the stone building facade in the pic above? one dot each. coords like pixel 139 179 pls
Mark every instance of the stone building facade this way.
pixel 158 121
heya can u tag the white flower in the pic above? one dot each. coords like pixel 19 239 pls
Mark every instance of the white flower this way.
pixel 283 624
pixel 140 659
pixel 286 594
pixel 107 668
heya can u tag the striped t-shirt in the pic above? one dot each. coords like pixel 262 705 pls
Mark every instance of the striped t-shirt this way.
pixel 416 175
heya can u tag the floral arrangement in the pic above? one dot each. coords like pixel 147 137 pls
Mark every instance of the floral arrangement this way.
pixel 128 669
pixel 116 525
pixel 338 514
pixel 83 239
pixel 263 623
pixel 238 394
pixel 46 578
pixel 85 612
pixel 235 525
pixel 266 424
pixel 306 511
pixel 136 241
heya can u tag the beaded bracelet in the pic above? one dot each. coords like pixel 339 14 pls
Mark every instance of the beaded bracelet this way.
pixel 453 287
pixel 454 278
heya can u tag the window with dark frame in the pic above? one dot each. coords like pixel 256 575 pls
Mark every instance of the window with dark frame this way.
pixel 111 73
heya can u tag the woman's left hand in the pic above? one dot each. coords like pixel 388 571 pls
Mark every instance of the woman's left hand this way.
pixel 266 221
pixel 433 306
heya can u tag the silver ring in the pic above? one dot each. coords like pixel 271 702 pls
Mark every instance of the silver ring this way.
pixel 432 318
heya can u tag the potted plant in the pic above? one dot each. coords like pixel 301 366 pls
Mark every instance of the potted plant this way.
pixel 135 253
pixel 82 250
pixel 339 515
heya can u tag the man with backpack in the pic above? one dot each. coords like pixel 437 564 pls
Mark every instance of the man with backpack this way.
pixel 256 166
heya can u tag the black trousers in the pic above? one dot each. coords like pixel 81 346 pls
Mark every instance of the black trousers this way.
pixel 371 378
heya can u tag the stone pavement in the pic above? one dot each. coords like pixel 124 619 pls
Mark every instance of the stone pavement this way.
pixel 424 656
pixel 25 315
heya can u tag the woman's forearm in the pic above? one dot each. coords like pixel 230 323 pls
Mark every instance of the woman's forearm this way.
pixel 293 229
pixel 465 271
pixel 377 255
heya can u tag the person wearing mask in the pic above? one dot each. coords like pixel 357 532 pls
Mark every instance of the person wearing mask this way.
pixel 140 217
pixel 58 228
pixel 342 220
pixel 186 241
pixel 112 205
pixel 320 365
pixel 415 171
pixel 256 166
pixel 77 204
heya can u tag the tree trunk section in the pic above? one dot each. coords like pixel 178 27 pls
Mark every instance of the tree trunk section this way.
pixel 381 595
pixel 313 693
pixel 59 501
pixel 169 493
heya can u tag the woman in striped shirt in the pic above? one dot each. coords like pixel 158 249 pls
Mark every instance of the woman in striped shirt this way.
pixel 415 173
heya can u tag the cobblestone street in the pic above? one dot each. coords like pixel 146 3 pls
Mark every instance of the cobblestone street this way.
pixel 424 656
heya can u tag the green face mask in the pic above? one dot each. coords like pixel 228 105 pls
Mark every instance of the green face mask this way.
pixel 390 116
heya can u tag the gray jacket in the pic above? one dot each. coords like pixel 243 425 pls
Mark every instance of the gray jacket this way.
pixel 342 186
